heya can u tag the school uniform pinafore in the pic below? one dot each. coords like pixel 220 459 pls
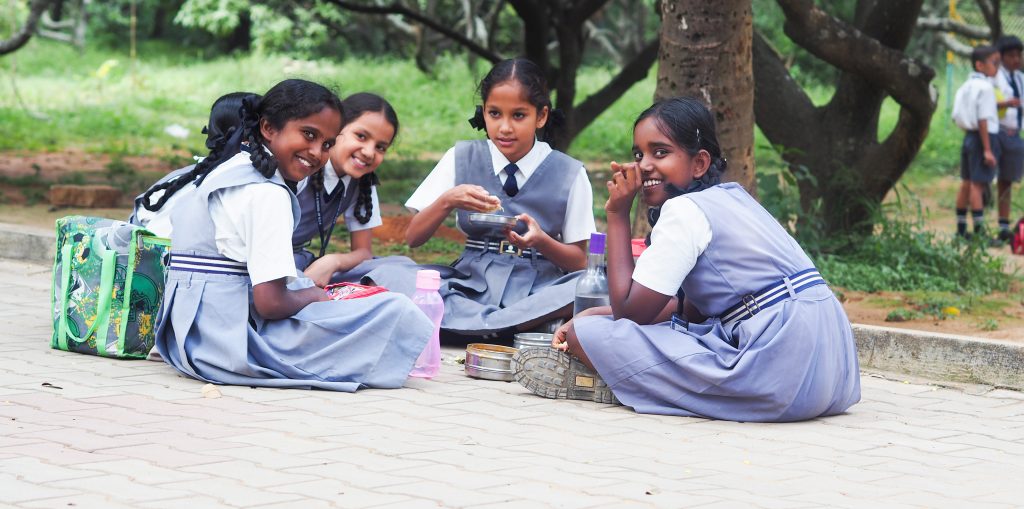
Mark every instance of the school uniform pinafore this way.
pixel 778 347
pixel 486 290
pixel 211 331
pixel 319 213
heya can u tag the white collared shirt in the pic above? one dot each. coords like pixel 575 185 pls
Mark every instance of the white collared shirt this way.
pixel 1009 118
pixel 331 180
pixel 680 236
pixel 579 212
pixel 976 100
pixel 253 224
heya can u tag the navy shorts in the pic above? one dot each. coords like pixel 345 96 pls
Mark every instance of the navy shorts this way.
pixel 1011 160
pixel 972 158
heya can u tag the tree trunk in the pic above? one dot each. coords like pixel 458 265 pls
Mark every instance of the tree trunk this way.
pixel 706 53
pixel 837 144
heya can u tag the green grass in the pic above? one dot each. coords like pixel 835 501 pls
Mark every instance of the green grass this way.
pixel 126 110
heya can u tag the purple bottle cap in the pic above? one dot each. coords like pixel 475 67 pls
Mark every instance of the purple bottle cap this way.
pixel 596 243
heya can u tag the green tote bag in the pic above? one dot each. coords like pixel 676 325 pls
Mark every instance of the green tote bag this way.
pixel 108 282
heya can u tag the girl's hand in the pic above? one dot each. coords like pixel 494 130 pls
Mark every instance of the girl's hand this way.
pixel 559 341
pixel 470 197
pixel 622 188
pixel 321 270
pixel 532 238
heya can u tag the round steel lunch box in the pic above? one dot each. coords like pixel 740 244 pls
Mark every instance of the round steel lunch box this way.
pixel 489 362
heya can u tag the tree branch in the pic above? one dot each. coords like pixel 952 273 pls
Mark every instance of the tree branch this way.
pixel 21 37
pixel 779 101
pixel 948 25
pixel 636 70
pixel 907 80
pixel 397 8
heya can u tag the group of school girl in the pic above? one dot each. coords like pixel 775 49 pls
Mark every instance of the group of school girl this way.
pixel 723 316
pixel 988 108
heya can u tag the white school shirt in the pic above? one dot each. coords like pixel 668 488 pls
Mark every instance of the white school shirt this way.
pixel 1003 77
pixel 681 234
pixel 976 100
pixel 579 211
pixel 331 180
pixel 253 224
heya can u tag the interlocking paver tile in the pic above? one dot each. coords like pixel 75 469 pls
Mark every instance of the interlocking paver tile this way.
pixel 338 492
pixel 460 442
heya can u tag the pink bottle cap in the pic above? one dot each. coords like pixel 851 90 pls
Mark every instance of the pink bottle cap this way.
pixel 428 280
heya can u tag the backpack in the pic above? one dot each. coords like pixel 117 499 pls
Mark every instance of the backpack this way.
pixel 108 283
pixel 1017 240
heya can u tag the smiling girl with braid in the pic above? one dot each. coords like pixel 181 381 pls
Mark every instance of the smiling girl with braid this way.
pixel 233 310
pixel 758 334
pixel 347 185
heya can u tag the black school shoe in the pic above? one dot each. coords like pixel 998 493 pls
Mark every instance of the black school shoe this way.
pixel 554 374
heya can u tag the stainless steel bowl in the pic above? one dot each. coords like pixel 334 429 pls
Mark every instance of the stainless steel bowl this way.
pixel 489 362
pixel 492 220
pixel 532 339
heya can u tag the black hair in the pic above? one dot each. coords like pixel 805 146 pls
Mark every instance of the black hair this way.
pixel 981 53
pixel 531 77
pixel 689 124
pixel 1009 43
pixel 354 107
pixel 288 100
pixel 225 116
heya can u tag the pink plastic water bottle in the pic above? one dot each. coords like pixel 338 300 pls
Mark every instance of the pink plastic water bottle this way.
pixel 430 302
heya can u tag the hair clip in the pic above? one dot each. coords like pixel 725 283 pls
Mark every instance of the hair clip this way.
pixel 698 138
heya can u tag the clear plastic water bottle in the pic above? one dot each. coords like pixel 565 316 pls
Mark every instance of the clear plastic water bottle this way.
pixel 592 286
pixel 430 302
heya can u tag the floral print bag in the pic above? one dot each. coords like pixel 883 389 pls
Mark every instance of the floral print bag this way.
pixel 108 282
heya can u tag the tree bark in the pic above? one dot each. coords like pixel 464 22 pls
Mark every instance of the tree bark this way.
pixel 21 37
pixel 706 52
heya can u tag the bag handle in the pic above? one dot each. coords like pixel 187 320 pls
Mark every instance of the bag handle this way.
pixel 102 301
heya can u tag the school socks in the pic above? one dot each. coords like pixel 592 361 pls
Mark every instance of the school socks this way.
pixel 961 222
pixel 978 216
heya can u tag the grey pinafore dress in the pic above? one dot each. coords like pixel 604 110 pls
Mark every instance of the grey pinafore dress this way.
pixel 313 225
pixel 133 219
pixel 792 360
pixel 487 291
pixel 211 331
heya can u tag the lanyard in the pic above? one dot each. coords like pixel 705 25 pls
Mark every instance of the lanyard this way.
pixel 324 236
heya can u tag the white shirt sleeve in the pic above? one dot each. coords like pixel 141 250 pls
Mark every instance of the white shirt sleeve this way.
pixel 440 179
pixel 253 224
pixel 579 210
pixel 680 236
pixel 353 224
pixel 987 108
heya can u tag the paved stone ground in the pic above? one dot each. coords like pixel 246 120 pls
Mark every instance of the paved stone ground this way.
pixel 80 431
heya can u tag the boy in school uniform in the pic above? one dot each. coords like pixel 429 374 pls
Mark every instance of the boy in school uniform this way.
pixel 1010 81
pixel 975 111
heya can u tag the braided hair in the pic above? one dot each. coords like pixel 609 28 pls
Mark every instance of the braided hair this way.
pixel 222 138
pixel 531 77
pixel 288 100
pixel 354 107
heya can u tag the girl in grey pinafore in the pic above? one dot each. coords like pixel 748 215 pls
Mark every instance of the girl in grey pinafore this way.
pixel 318 223
pixel 793 360
pixel 486 291
pixel 211 331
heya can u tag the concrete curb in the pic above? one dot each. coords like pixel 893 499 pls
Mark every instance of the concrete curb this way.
pixel 938 356
pixel 27 243
pixel 929 355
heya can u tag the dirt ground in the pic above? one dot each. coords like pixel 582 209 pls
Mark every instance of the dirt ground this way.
pixel 861 307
